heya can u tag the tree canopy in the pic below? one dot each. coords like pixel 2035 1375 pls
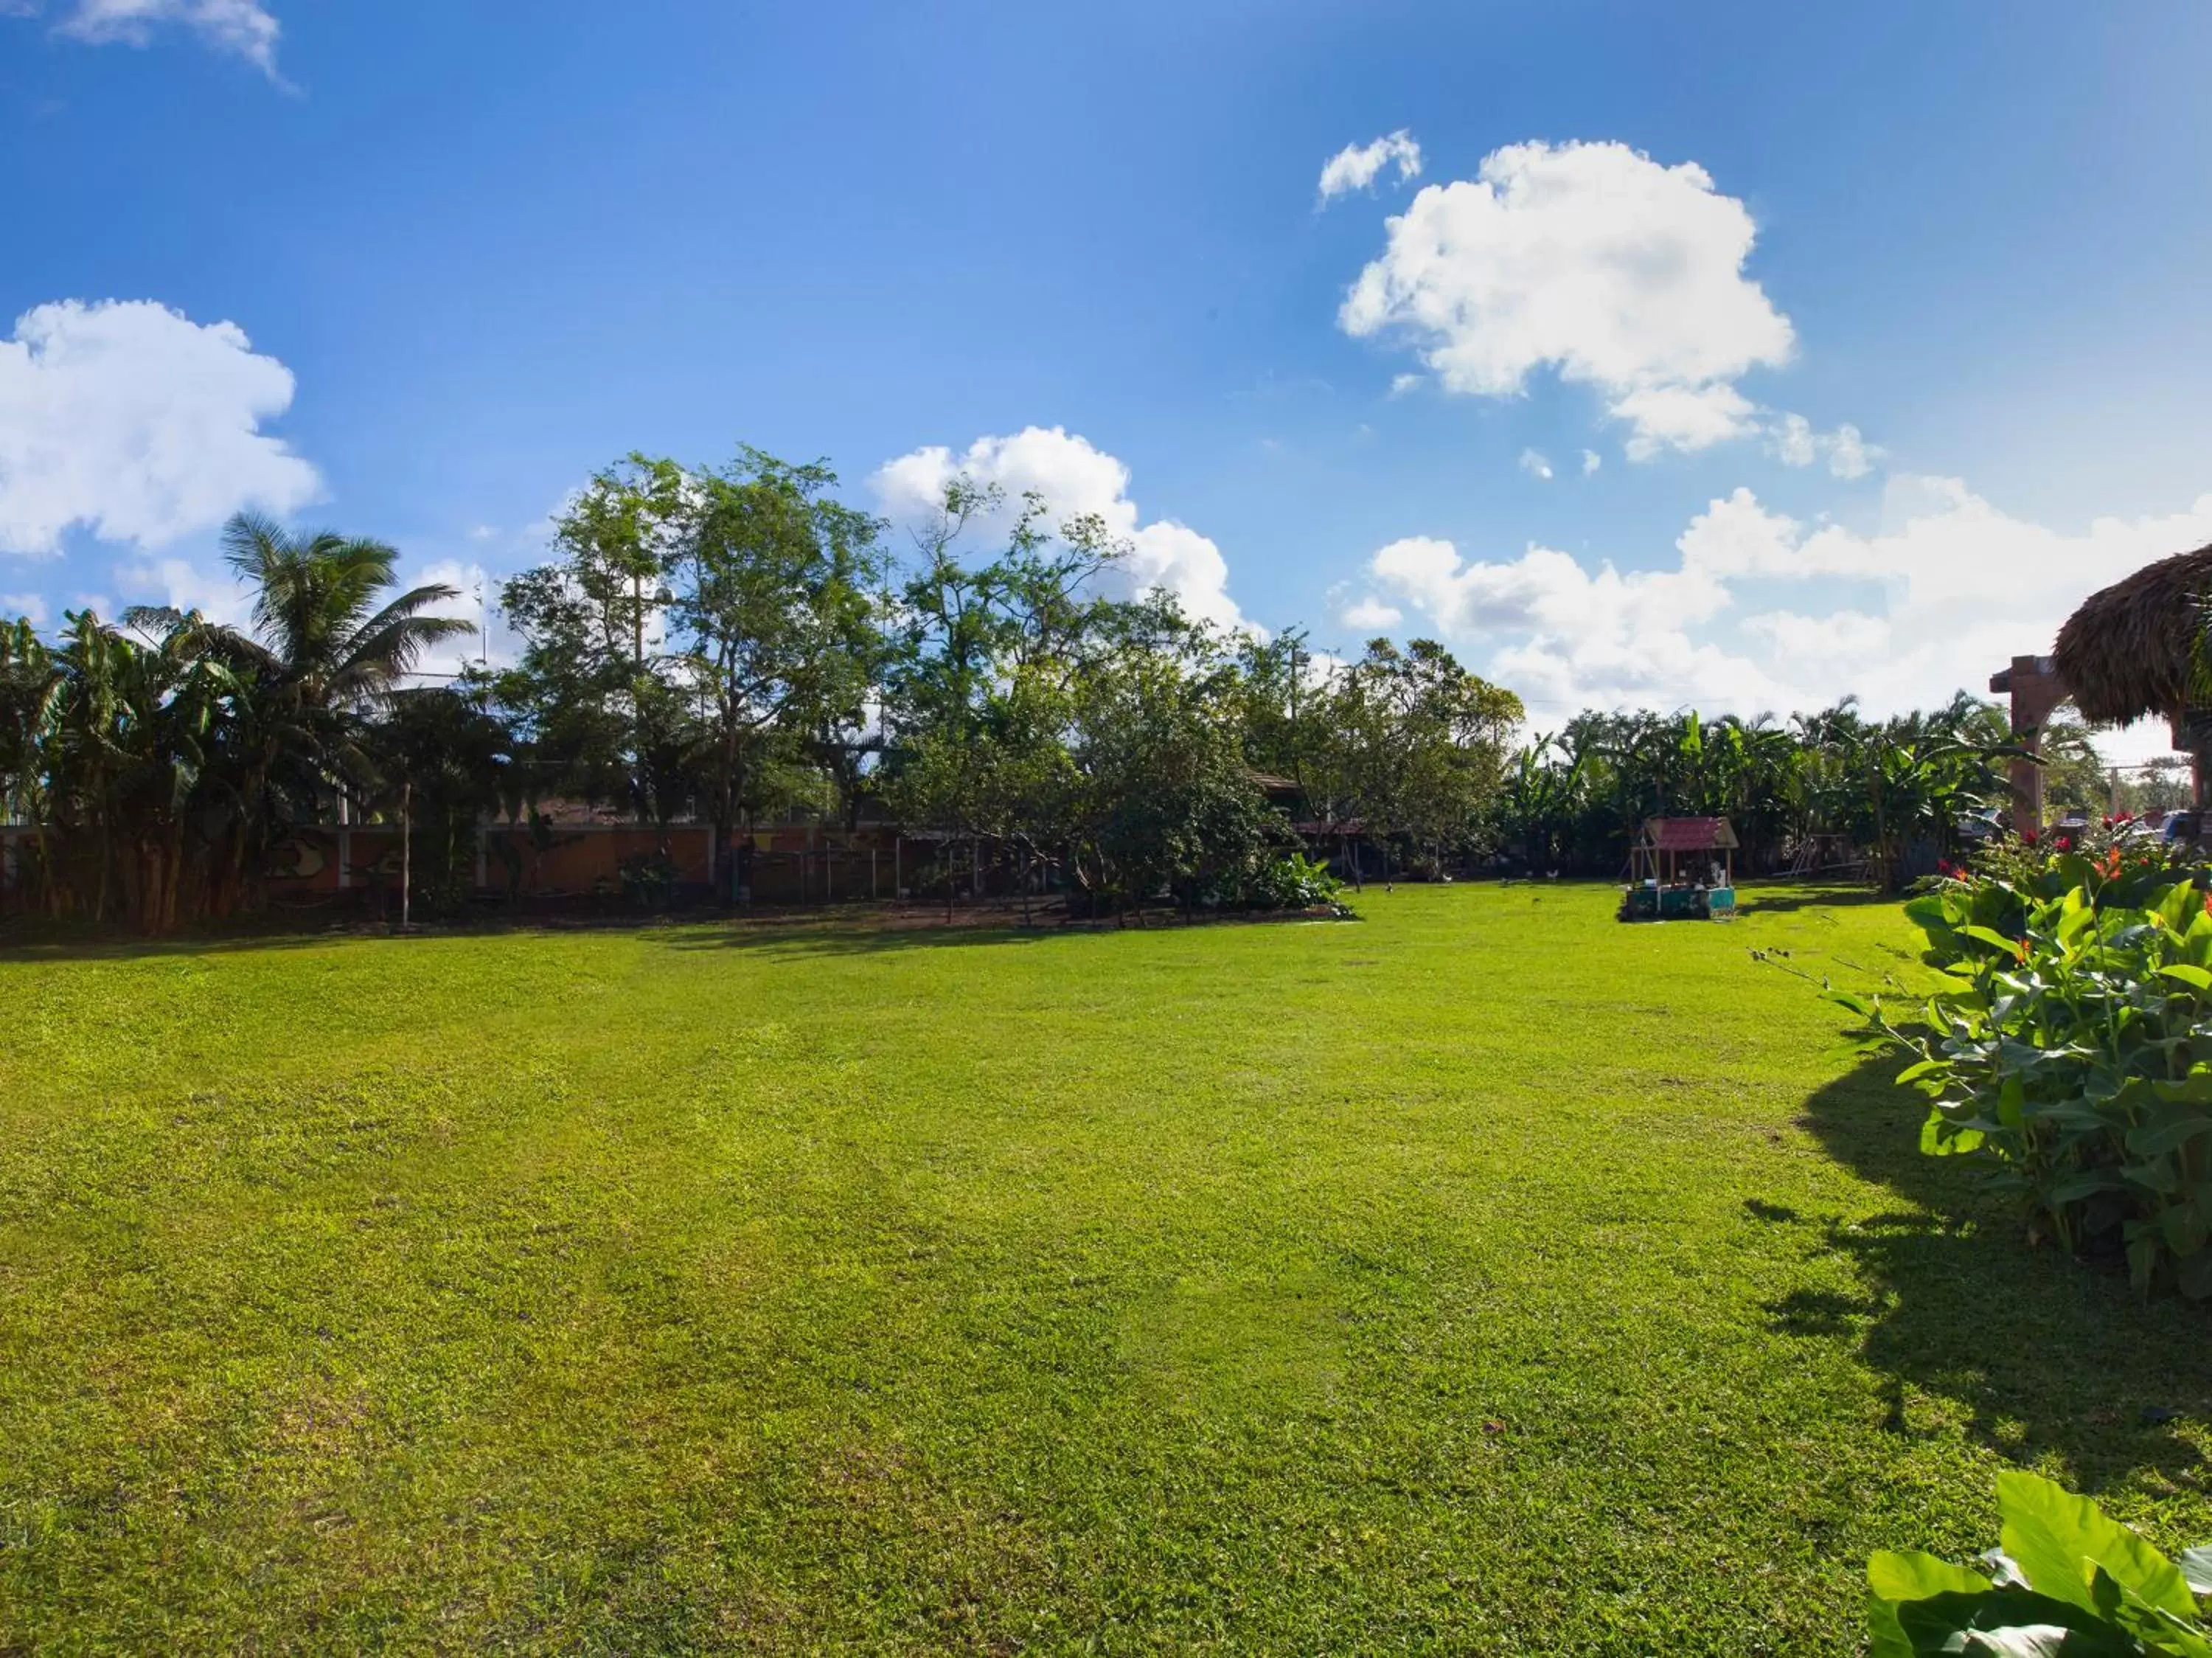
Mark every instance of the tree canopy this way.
pixel 735 644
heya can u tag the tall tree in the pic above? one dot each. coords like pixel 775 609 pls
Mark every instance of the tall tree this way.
pixel 976 696
pixel 593 695
pixel 774 615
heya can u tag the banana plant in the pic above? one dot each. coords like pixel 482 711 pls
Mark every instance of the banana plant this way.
pixel 2070 1044
pixel 2064 1581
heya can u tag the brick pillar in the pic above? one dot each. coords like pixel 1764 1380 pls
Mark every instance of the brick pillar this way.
pixel 2035 688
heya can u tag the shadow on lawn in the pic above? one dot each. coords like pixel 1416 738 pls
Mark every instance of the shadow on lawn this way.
pixel 1779 900
pixel 814 936
pixel 866 932
pixel 846 931
pixel 2042 1352
pixel 852 937
pixel 88 946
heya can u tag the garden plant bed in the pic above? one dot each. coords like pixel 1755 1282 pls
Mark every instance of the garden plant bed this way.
pixel 1484 1277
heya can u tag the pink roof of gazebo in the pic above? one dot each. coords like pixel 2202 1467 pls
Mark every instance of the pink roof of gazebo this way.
pixel 1688 835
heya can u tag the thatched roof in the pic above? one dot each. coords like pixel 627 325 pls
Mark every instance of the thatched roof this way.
pixel 2128 653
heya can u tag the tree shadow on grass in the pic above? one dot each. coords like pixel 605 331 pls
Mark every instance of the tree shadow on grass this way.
pixel 866 933
pixel 814 937
pixel 1780 901
pixel 848 937
pixel 2042 1352
pixel 108 947
pixel 836 931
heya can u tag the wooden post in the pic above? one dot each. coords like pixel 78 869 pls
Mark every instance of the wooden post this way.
pixel 898 866
pixel 872 894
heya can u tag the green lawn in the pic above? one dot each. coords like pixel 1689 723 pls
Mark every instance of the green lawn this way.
pixel 1482 1276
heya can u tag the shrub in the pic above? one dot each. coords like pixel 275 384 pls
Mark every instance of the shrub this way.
pixel 649 880
pixel 2063 1578
pixel 1295 882
pixel 2071 1044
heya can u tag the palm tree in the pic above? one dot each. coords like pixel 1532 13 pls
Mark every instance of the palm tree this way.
pixel 321 630
pixel 326 646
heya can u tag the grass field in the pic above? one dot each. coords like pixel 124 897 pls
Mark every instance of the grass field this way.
pixel 1480 1276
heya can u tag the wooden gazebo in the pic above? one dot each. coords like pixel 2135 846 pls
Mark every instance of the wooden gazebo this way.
pixel 1680 869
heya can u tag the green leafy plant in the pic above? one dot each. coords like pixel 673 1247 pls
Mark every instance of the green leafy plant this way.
pixel 2064 1579
pixel 649 879
pixel 2071 1042
pixel 1293 883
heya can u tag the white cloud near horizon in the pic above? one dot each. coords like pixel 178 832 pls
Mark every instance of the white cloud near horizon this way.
pixel 130 419
pixel 1075 476
pixel 182 584
pixel 1593 260
pixel 1946 592
pixel 1356 167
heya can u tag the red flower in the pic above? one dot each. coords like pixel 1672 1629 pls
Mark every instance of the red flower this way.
pixel 2064 843
pixel 2028 836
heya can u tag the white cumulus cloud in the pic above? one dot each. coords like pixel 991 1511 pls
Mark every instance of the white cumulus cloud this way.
pixel 1534 464
pixel 1075 476
pixel 1591 462
pixel 181 584
pixel 1370 616
pixel 1591 260
pixel 129 419
pixel 244 28
pixel 1949 590
pixel 1794 443
pixel 1355 167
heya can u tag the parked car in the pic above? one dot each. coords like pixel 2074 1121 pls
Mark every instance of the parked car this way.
pixel 1977 827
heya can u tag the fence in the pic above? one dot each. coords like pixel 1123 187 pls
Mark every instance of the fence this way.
pixel 335 864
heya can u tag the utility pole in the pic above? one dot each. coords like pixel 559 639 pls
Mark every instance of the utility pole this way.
pixel 1880 831
pixel 406 851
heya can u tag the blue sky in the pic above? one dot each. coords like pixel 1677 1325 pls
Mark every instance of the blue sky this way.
pixel 495 248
